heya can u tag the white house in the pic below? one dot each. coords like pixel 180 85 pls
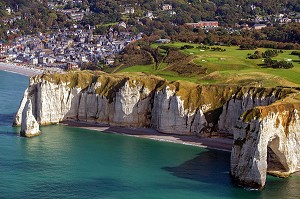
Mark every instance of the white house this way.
pixel 167 7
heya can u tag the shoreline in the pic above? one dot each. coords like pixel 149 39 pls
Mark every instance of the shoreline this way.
pixel 216 143
pixel 21 70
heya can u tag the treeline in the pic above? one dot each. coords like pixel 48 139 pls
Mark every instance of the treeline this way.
pixel 247 39
pixel 283 33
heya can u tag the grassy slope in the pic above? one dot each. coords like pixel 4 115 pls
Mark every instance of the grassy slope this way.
pixel 229 67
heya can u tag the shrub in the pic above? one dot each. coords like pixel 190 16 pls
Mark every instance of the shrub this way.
pixel 270 63
pixel 187 47
pixel 247 47
pixel 270 53
pixel 257 55
pixel 295 53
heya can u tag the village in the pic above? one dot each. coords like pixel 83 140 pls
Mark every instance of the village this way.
pixel 79 46
pixel 67 49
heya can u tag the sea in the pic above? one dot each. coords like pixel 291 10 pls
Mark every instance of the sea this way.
pixel 69 162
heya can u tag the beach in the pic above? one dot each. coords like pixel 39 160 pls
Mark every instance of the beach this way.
pixel 215 142
pixel 19 69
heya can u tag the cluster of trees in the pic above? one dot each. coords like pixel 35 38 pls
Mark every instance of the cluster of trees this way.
pixel 186 47
pixel 295 53
pixel 218 49
pixel 282 33
pixel 246 39
pixel 203 47
pixel 270 63
pixel 267 54
pixel 104 11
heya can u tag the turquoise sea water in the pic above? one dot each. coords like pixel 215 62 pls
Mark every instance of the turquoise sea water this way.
pixel 66 162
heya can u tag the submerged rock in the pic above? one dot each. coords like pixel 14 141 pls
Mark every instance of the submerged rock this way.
pixel 29 125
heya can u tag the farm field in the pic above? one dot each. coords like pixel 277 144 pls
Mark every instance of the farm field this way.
pixel 231 66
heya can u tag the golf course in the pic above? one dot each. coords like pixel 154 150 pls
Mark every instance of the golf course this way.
pixel 222 65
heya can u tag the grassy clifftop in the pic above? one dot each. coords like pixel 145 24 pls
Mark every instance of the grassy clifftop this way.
pixel 287 106
pixel 194 95
pixel 286 111
pixel 84 79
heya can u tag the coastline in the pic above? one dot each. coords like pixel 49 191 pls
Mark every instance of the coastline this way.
pixel 216 143
pixel 21 70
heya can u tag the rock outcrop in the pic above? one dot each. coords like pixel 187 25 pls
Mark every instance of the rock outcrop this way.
pixel 267 140
pixel 178 107
pixel 18 117
pixel 29 127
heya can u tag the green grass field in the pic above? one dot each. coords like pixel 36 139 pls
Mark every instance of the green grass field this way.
pixel 229 67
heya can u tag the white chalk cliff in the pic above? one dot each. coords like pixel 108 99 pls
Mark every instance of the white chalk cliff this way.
pixel 178 108
pixel 267 141
pixel 29 127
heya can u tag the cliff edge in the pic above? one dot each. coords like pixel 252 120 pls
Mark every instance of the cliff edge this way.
pixel 260 124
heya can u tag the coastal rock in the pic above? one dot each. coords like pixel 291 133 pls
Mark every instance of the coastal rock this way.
pixel 268 142
pixel 29 126
pixel 170 116
pixel 128 105
pixel 129 108
pixel 18 117
pixel 237 105
pixel 54 102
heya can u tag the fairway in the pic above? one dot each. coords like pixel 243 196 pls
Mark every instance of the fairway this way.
pixel 231 66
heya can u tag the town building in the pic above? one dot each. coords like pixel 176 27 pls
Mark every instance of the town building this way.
pixel 259 26
pixel 166 7
pixel 204 24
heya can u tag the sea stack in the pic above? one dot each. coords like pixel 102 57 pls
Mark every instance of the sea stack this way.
pixel 29 125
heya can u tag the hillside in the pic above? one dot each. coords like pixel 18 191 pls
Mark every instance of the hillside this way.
pixel 27 17
pixel 165 18
pixel 209 64
pixel 227 12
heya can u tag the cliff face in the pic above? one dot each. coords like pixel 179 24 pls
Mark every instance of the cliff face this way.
pixel 115 101
pixel 266 141
pixel 237 105
pixel 178 108
pixel 142 101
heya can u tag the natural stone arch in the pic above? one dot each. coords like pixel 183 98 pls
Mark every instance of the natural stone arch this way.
pixel 276 159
